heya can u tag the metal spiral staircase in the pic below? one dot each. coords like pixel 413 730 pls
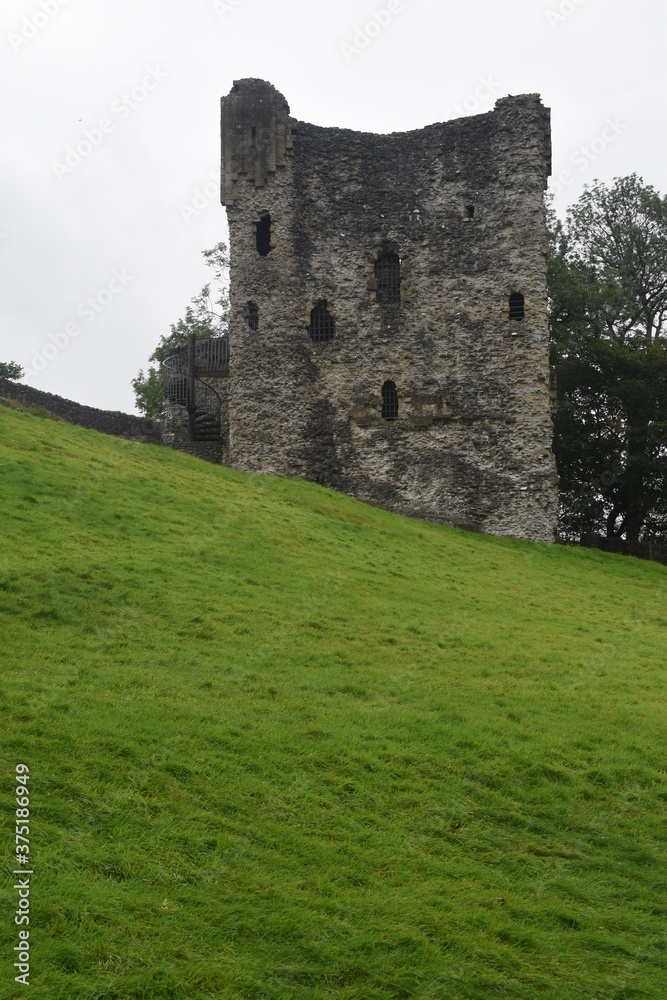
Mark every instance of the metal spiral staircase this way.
pixel 182 385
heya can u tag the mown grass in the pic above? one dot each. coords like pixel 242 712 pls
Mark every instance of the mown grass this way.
pixel 286 745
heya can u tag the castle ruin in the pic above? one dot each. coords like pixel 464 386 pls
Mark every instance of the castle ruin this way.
pixel 388 333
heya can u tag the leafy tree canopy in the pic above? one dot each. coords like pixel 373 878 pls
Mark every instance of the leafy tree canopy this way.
pixel 206 316
pixel 10 370
pixel 608 319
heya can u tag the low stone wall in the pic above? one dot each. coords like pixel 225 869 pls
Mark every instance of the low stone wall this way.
pixel 118 424
pixel 655 551
pixel 174 429
pixel 208 451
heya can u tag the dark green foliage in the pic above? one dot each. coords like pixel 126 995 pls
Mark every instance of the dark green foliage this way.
pixel 11 370
pixel 207 316
pixel 148 392
pixel 608 314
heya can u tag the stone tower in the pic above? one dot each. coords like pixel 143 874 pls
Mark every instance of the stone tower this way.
pixel 388 331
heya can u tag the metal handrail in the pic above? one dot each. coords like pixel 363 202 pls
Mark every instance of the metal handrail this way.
pixel 179 387
pixel 175 379
pixel 207 399
pixel 210 355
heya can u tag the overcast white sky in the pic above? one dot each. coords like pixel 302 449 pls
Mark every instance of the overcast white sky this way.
pixel 125 228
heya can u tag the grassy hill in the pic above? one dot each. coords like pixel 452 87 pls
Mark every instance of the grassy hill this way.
pixel 285 745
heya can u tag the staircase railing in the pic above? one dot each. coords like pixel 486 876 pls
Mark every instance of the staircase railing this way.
pixel 210 355
pixel 175 382
pixel 181 385
pixel 207 400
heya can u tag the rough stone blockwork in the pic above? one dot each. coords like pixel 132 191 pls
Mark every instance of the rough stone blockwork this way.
pixel 389 326
pixel 107 421
pixel 174 428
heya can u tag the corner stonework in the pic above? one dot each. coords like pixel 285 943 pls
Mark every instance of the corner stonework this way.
pixel 256 134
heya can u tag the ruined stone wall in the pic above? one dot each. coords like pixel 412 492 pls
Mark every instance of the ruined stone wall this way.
pixel 119 424
pixel 472 442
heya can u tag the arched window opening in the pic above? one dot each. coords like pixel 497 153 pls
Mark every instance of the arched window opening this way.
pixel 322 324
pixel 253 316
pixel 263 234
pixel 516 306
pixel 389 401
pixel 388 279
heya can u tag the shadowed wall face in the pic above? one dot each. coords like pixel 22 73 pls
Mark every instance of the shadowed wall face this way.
pixel 412 261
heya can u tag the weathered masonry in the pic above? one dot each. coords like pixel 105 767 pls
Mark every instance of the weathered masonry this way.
pixel 388 333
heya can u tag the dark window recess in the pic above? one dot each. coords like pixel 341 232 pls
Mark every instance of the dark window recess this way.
pixel 516 306
pixel 254 131
pixel 470 211
pixel 263 235
pixel 253 316
pixel 322 324
pixel 389 401
pixel 388 278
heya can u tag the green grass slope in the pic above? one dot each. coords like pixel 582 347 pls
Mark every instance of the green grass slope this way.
pixel 286 745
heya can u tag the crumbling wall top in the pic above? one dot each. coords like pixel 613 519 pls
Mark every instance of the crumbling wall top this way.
pixel 513 140
pixel 256 133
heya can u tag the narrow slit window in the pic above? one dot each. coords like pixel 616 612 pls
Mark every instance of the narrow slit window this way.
pixel 516 306
pixel 469 211
pixel 263 235
pixel 389 401
pixel 322 324
pixel 253 316
pixel 388 279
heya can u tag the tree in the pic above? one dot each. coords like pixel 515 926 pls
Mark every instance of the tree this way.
pixel 608 319
pixel 206 316
pixel 10 370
